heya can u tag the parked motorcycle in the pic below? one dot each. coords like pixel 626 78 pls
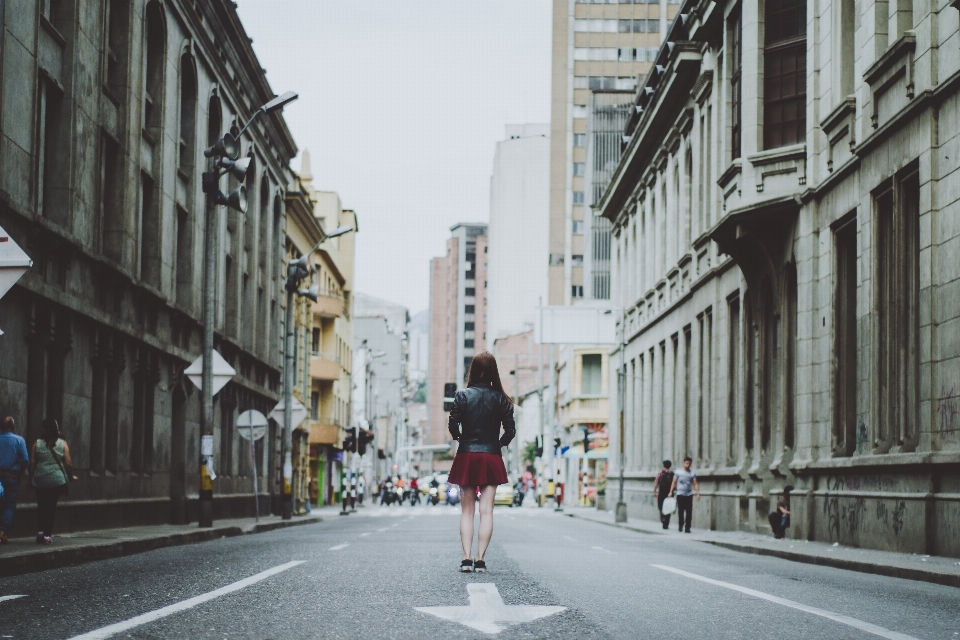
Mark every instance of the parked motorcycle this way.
pixel 434 496
pixel 398 495
pixel 414 498
pixel 387 496
pixel 517 497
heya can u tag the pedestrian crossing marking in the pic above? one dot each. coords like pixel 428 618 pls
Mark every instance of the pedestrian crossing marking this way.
pixel 2 598
pixel 339 546
pixel 487 612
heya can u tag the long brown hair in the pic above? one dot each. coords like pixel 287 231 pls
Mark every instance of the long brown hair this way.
pixel 484 373
pixel 51 432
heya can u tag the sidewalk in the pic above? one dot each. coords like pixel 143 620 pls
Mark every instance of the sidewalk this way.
pixel 886 563
pixel 23 555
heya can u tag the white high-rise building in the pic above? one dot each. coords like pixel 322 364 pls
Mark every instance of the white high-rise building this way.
pixel 518 232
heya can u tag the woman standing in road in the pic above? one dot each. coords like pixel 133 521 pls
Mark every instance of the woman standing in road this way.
pixel 50 470
pixel 478 411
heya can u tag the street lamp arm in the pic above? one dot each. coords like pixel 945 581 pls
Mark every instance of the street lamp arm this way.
pixel 277 103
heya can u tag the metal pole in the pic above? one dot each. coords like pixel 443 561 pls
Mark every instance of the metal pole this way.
pixel 253 460
pixel 516 397
pixel 206 393
pixel 541 489
pixel 621 514
pixel 286 503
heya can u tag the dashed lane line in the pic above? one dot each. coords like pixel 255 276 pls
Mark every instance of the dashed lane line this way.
pixel 2 598
pixel 364 535
pixel 823 613
pixel 114 629
pixel 339 546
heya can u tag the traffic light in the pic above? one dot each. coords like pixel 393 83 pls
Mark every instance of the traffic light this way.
pixel 538 447
pixel 556 443
pixel 350 442
pixel 449 390
pixel 363 439
pixel 586 440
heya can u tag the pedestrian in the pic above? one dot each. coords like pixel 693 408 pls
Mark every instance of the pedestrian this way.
pixel 14 461
pixel 50 470
pixel 475 419
pixel 661 489
pixel 781 517
pixel 684 484
pixel 361 489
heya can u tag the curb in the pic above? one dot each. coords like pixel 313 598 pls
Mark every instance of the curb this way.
pixel 618 525
pixel 906 573
pixel 57 558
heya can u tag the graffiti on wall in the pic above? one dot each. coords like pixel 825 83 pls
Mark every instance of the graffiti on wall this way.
pixel 948 408
pixel 848 513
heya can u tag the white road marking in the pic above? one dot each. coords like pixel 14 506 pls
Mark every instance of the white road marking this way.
pixel 381 530
pixel 2 598
pixel 339 546
pixel 836 617
pixel 568 538
pixel 364 535
pixel 597 548
pixel 113 629
pixel 486 611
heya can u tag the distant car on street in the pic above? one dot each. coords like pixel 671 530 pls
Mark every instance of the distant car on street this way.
pixel 504 495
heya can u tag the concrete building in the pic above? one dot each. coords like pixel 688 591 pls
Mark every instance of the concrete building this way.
pixel 382 333
pixel 596 46
pixel 106 110
pixel 785 250
pixel 457 317
pixel 323 336
pixel 522 363
pixel 518 230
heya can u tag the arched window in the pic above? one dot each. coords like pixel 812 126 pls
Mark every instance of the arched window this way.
pixel 115 48
pixel 152 119
pixel 186 161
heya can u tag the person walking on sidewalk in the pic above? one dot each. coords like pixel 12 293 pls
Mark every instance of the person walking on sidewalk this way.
pixel 661 489
pixel 50 470
pixel 478 411
pixel 13 463
pixel 684 485
pixel 782 519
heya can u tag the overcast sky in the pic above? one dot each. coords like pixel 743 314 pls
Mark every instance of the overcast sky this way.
pixel 401 105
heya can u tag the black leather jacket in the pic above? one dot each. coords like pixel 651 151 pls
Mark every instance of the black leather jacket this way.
pixel 476 418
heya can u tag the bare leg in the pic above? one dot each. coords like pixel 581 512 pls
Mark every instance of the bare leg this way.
pixel 487 495
pixel 468 505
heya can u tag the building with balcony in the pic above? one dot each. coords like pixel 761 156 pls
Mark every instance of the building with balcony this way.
pixel 106 109
pixel 323 337
pixel 784 218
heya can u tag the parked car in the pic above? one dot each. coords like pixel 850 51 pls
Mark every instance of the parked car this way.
pixel 504 495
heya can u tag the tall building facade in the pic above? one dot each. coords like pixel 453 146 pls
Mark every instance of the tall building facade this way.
pixel 596 46
pixel 106 109
pixel 458 314
pixel 785 221
pixel 518 230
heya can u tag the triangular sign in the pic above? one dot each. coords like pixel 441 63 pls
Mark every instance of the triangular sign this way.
pixel 222 372
pixel 298 415
pixel 14 262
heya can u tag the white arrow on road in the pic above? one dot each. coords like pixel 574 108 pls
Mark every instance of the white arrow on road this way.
pixel 486 611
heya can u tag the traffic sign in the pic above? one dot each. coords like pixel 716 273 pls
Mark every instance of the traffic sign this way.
pixel 251 425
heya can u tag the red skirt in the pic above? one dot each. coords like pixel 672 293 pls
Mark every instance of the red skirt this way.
pixel 477 470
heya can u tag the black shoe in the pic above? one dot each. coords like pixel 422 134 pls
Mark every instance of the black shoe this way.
pixel 479 566
pixel 686 530
pixel 466 566
pixel 665 527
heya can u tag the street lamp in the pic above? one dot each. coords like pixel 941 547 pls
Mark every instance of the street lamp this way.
pixel 226 159
pixel 297 270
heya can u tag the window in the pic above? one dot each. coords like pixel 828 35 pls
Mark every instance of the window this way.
pixel 579 111
pixel 188 114
pixel 736 68
pixel 315 342
pixel 556 259
pixel 581 25
pixel 591 381
pixel 897 271
pixel 578 228
pixel 845 62
pixel 579 139
pixel 578 197
pixel 226 439
pixel 115 49
pixel 628 83
pixel 469 326
pixel 51 129
pixel 469 308
pixel 625 26
pixel 652 54
pixel 785 73
pixel 470 292
pixel 845 340
pixel 733 371
pixel 468 343
pixel 602 82
pixel 576 261
pixel 314 405
pixel 581 82
pixel 629 54
pixel 579 168
pixel 576 291
pixel 111 216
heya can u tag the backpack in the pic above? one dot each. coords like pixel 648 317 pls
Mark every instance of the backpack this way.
pixel 666 481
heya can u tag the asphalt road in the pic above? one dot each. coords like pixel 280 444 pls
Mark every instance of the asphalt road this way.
pixel 365 575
